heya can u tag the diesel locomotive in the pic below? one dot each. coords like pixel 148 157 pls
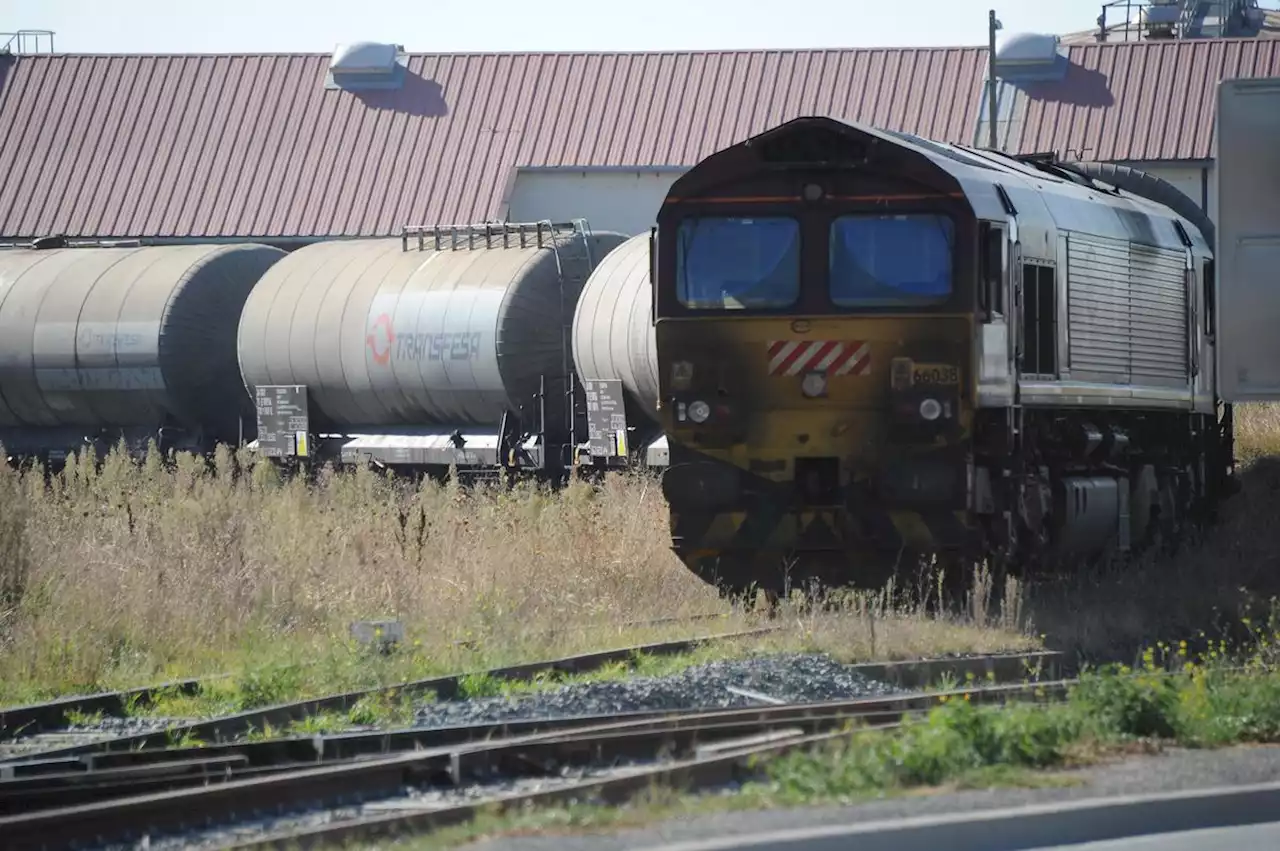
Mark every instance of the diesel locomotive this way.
pixel 872 346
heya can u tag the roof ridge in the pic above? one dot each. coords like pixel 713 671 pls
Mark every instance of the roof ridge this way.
pixel 317 54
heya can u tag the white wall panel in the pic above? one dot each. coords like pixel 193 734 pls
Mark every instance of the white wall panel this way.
pixel 618 200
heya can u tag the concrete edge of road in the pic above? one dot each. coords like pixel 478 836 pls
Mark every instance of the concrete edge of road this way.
pixel 1027 827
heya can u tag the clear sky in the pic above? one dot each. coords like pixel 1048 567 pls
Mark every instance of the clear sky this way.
pixel 219 26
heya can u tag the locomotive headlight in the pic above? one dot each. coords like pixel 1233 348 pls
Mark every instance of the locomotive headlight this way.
pixel 699 411
pixel 814 384
pixel 930 409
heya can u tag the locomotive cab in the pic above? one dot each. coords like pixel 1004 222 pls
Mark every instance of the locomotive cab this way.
pixel 816 294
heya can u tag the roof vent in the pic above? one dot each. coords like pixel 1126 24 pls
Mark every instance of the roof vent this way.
pixel 366 65
pixel 1030 56
pixel 1025 48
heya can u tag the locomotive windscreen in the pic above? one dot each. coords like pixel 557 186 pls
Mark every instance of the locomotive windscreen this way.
pixel 725 263
pixel 873 260
pixel 890 260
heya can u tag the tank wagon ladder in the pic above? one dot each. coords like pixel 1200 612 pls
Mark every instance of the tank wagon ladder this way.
pixel 573 265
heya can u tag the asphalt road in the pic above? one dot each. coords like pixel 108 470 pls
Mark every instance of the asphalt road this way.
pixel 1176 770
pixel 1257 837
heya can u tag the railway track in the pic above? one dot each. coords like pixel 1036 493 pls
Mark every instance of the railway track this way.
pixel 335 787
pixel 47 719
pixel 47 742
pixel 91 776
pixel 33 729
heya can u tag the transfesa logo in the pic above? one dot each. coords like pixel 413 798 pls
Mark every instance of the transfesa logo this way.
pixel 89 338
pixel 380 339
pixel 384 343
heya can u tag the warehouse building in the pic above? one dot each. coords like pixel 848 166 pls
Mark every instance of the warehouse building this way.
pixel 293 148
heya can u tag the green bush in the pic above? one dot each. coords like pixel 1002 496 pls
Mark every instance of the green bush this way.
pixel 1125 704
pixel 953 740
pixel 1173 699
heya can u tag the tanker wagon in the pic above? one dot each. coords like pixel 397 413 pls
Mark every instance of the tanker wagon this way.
pixel 617 363
pixel 447 347
pixel 100 345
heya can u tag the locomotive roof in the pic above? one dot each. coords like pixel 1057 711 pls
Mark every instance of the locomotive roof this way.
pixel 1037 189
pixel 1075 200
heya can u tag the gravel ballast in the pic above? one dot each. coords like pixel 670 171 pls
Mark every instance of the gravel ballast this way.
pixel 79 734
pixel 131 726
pixel 412 800
pixel 740 683
pixel 789 678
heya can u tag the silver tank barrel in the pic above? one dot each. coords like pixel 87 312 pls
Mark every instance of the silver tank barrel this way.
pixel 453 330
pixel 613 335
pixel 125 337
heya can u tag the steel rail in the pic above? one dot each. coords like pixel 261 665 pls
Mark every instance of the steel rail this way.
pixel 650 623
pixel 25 795
pixel 61 790
pixel 446 687
pixel 685 775
pixel 994 668
pixel 260 758
pixel 17 722
pixel 699 771
pixel 387 776
pixel 84 788
pixel 912 673
pixel 40 717
pixel 299 750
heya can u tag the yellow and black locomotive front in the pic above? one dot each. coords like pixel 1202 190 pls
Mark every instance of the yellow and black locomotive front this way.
pixel 814 316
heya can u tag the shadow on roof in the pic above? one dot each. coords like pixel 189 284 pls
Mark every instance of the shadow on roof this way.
pixel 417 96
pixel 1080 86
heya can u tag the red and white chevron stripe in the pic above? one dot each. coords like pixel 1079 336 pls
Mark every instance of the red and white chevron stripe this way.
pixel 792 357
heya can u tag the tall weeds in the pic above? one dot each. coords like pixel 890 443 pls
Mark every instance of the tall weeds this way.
pixel 15 557
pixel 139 565
pixel 125 572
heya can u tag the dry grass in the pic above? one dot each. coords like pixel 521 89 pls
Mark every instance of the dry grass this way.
pixel 1257 428
pixel 130 574
pixel 1200 594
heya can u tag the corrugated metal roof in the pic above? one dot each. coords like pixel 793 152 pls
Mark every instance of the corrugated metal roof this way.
pixel 255 145
pixel 235 145
pixel 1151 100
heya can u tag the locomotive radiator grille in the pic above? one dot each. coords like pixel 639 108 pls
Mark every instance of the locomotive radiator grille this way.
pixel 1127 311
